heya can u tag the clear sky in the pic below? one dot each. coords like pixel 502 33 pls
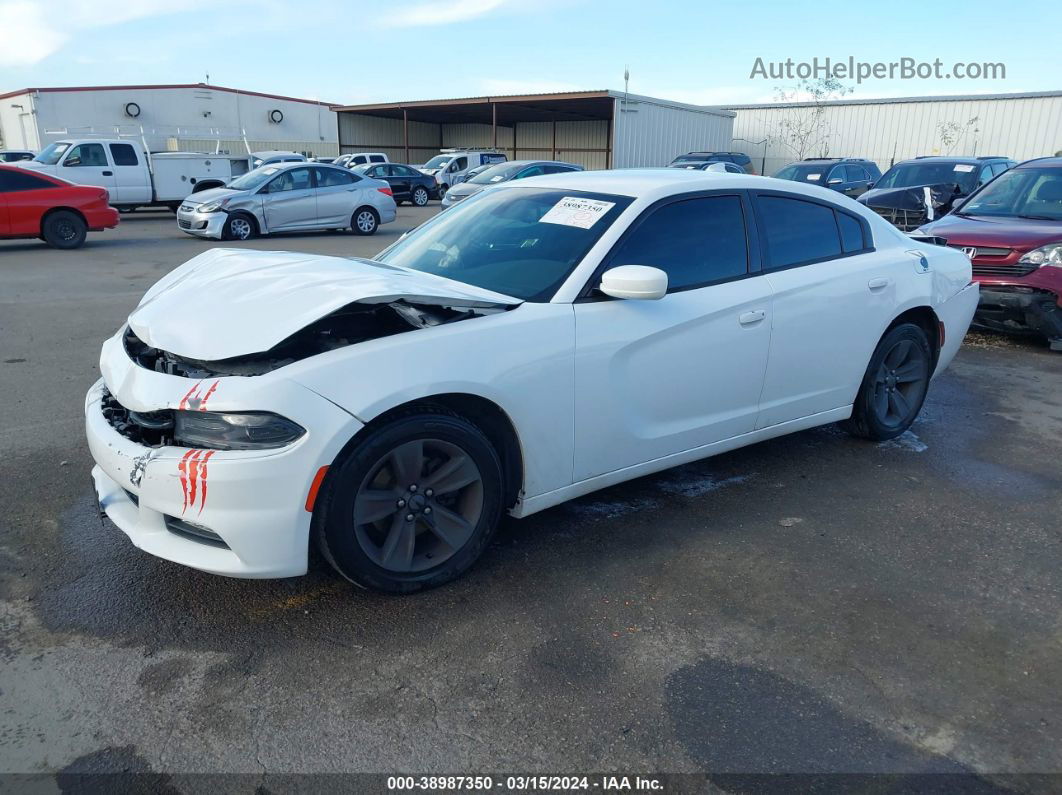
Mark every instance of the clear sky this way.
pixel 698 52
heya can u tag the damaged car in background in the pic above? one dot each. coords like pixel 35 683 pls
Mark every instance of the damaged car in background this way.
pixel 529 346
pixel 1012 230
pixel 915 192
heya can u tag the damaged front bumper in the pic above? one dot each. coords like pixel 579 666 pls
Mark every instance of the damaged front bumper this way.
pixel 208 225
pixel 1013 308
pixel 241 513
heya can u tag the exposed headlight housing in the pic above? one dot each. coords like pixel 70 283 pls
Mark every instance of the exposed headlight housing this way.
pixel 1051 254
pixel 228 430
pixel 211 207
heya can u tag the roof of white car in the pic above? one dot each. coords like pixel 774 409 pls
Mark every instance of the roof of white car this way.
pixel 643 182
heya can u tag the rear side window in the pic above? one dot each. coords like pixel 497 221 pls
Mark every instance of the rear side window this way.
pixel 695 241
pixel 333 177
pixel 797 231
pixel 124 155
pixel 12 181
pixel 851 233
pixel 377 159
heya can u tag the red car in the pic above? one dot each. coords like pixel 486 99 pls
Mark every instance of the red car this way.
pixel 1012 230
pixel 58 212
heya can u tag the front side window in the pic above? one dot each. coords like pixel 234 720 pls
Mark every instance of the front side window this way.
pixel 86 155
pixel 522 242
pixel 293 179
pixel 797 231
pixel 695 241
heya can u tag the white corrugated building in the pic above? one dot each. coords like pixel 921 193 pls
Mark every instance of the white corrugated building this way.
pixel 196 117
pixel 596 129
pixel 1020 126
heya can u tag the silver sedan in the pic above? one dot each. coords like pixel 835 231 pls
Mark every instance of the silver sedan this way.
pixel 288 197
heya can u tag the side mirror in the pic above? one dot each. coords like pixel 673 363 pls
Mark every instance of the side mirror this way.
pixel 634 282
pixel 870 184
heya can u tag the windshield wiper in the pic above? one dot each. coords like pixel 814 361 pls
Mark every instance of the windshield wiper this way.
pixel 1039 218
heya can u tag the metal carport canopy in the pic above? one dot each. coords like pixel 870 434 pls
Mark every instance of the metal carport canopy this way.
pixel 497 111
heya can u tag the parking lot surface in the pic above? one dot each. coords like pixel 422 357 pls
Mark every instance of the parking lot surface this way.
pixel 813 603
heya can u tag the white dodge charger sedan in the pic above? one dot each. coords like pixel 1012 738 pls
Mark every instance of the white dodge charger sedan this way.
pixel 543 339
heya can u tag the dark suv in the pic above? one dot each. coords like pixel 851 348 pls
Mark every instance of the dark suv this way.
pixel 702 158
pixel 914 192
pixel 851 176
pixel 1012 231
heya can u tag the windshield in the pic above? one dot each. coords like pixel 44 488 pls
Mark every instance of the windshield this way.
pixel 52 153
pixel 911 175
pixel 438 161
pixel 494 174
pixel 253 179
pixel 522 242
pixel 804 173
pixel 1020 193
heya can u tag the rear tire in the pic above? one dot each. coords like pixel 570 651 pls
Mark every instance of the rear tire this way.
pixel 362 521
pixel 64 229
pixel 894 386
pixel 365 221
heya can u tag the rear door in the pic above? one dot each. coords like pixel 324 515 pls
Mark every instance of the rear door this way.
pixel 132 181
pixel 291 202
pixel 337 191
pixel 833 297
pixel 87 164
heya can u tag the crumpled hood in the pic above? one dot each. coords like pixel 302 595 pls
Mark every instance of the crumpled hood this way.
pixel 997 232
pixel 234 302
pixel 912 197
pixel 211 194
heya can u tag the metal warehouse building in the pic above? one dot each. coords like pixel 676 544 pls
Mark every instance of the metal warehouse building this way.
pixel 889 130
pixel 196 117
pixel 596 129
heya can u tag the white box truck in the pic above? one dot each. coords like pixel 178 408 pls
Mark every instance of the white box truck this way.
pixel 133 177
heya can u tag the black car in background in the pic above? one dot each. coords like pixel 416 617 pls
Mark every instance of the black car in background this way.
pixel 851 176
pixel 914 192
pixel 407 183
pixel 738 158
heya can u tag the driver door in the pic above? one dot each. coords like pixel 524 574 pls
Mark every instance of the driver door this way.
pixel 87 164
pixel 655 378
pixel 291 201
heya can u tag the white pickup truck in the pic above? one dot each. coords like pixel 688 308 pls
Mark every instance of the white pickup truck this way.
pixel 132 177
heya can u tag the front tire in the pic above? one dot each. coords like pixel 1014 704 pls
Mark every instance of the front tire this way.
pixel 413 505
pixel 420 197
pixel 238 227
pixel 894 386
pixel 64 229
pixel 365 221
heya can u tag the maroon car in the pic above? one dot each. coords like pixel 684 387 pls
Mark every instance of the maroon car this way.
pixel 1012 230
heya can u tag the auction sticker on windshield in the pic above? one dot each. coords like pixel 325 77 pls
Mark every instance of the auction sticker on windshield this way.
pixel 573 211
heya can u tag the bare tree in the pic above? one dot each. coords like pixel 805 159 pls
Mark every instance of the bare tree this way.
pixel 951 133
pixel 804 130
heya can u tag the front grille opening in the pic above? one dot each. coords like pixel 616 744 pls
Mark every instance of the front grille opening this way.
pixel 904 220
pixel 149 428
pixel 132 497
pixel 194 532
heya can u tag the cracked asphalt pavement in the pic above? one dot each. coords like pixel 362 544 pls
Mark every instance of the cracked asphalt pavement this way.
pixel 810 604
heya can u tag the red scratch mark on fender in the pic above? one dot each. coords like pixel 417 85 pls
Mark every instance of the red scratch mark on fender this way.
pixel 194 397
pixel 193 478
pixel 203 477
pixel 182 467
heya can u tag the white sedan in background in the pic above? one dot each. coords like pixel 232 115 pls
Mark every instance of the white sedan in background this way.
pixel 539 341
pixel 288 197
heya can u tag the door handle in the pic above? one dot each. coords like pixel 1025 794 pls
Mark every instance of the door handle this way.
pixel 749 318
pixel 878 284
pixel 108 173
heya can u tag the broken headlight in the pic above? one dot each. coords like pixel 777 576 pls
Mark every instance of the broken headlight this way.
pixel 1051 254
pixel 226 430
